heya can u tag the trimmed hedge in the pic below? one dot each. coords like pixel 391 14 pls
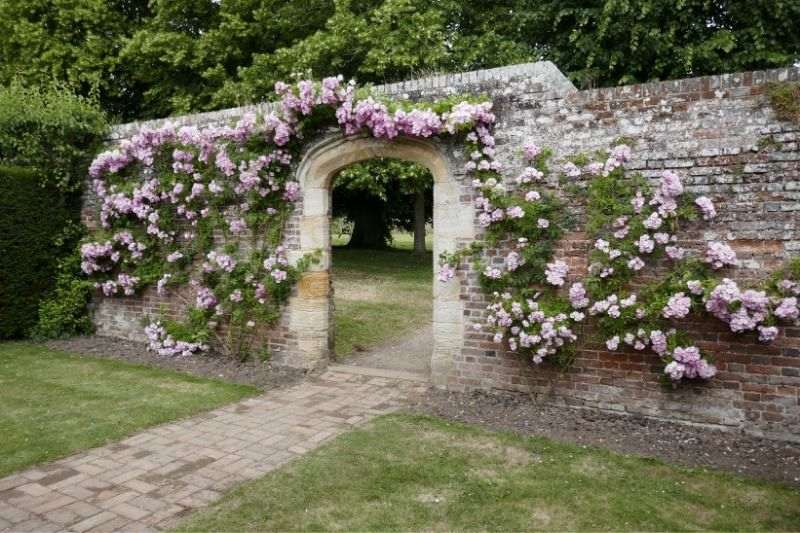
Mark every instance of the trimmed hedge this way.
pixel 31 217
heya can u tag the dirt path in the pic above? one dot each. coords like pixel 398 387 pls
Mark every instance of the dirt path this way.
pixel 412 353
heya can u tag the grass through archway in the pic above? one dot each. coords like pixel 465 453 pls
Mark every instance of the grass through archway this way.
pixel 380 296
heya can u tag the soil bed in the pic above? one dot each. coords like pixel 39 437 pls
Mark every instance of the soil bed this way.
pixel 672 442
pixel 262 375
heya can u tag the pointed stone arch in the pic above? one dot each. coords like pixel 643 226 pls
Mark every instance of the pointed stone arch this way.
pixel 310 311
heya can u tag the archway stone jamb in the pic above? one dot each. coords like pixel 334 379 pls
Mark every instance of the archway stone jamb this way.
pixel 311 310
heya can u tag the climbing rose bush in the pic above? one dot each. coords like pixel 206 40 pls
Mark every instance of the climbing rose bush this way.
pixel 173 197
pixel 633 224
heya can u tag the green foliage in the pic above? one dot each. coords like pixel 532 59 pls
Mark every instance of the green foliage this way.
pixel 375 175
pixel 64 312
pixel 75 43
pixel 50 131
pixel 612 42
pixel 540 241
pixel 653 297
pixel 47 139
pixel 380 193
pixel 31 215
pixel 186 52
pixel 148 59
pixel 378 41
pixel 785 100
pixel 790 270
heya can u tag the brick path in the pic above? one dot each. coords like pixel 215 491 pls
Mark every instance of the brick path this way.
pixel 152 479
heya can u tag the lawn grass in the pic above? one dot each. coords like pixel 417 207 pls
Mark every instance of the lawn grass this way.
pixel 54 403
pixel 379 295
pixel 407 472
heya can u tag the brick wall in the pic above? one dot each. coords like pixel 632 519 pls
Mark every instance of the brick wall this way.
pixel 721 136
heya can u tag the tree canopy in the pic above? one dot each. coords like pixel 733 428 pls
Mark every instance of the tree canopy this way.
pixel 154 58
pixel 614 42
pixel 379 195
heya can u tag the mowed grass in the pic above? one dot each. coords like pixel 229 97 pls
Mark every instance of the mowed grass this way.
pixel 406 472
pixel 53 403
pixel 379 295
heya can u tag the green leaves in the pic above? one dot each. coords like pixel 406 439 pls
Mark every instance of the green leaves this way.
pixel 610 42
pixel 47 139
pixel 50 131
pixel 147 59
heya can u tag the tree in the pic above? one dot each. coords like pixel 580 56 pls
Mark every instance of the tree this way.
pixel 76 43
pixel 149 59
pixel 47 139
pixel 379 41
pixel 613 42
pixel 381 194
pixel 188 50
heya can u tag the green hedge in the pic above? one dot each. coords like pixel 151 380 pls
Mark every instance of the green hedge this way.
pixel 47 140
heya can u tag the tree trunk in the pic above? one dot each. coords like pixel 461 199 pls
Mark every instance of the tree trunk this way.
pixel 419 223
pixel 369 227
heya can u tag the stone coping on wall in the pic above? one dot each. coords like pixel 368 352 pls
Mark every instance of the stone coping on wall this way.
pixel 543 74
pixel 488 80
pixel 712 86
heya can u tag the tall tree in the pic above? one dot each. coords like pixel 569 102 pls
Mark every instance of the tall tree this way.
pixel 160 57
pixel 189 49
pixel 76 43
pixel 382 194
pixel 380 41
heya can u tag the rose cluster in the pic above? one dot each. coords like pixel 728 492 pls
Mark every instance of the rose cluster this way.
pixel 162 343
pixel 621 249
pixel 525 325
pixel 750 309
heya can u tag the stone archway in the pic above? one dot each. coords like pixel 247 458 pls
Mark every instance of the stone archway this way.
pixel 310 312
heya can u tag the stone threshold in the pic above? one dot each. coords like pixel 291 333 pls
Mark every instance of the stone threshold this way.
pixel 380 373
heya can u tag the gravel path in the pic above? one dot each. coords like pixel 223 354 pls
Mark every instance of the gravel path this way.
pixel 410 354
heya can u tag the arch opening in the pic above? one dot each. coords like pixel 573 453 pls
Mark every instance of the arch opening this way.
pixel 311 311
pixel 382 275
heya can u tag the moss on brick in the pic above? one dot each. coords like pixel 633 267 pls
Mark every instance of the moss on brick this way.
pixel 785 100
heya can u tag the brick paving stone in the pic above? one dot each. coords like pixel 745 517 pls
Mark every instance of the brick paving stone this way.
pixel 92 521
pixel 12 482
pixel 13 515
pixel 52 503
pixel 63 516
pixel 129 511
pixel 83 509
pixel 151 480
